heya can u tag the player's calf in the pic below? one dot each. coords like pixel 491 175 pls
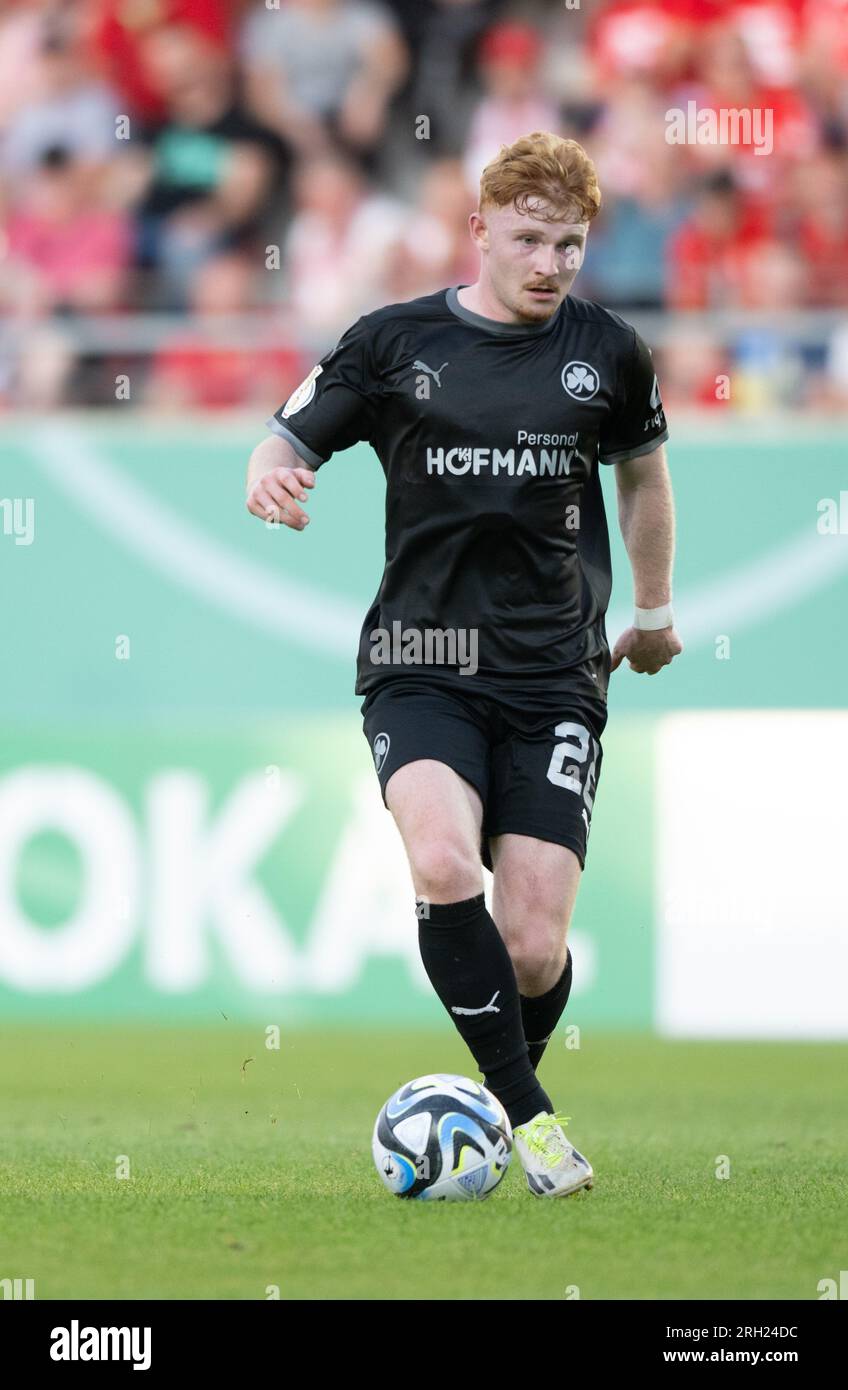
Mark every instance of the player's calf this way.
pixel 469 967
pixel 536 885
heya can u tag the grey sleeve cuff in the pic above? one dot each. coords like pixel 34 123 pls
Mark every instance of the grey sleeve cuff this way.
pixel 308 455
pixel 636 452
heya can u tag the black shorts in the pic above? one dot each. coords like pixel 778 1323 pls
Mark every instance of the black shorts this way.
pixel 533 759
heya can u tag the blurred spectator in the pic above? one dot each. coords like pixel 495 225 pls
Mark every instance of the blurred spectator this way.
pixel 322 70
pixel 65 251
pixel 65 254
pixel 629 139
pixel 822 185
pixel 343 239
pixel 767 372
pixel 706 255
pixel 22 29
pixel 435 248
pixel 728 81
pixel 694 370
pixel 824 64
pixel 116 32
pixel 628 244
pixel 512 104
pixel 194 368
pixel 221 94
pixel 443 37
pixel 445 197
pixel 210 168
pixel 770 275
pixel 771 31
pixel 646 39
pixel 72 109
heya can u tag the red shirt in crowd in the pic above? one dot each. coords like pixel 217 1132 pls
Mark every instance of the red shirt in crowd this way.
pixel 117 27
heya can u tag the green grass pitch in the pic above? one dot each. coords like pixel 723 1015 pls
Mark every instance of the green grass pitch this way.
pixel 248 1174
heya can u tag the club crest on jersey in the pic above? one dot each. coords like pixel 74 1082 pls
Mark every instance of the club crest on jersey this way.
pixel 580 380
pixel 381 750
pixel 302 394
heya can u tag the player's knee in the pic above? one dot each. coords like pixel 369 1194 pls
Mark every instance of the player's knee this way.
pixel 536 957
pixel 446 871
pixel 536 972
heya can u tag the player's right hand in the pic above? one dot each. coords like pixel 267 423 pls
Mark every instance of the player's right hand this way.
pixel 272 497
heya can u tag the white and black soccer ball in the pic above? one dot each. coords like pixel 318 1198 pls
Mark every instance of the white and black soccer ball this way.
pixel 442 1138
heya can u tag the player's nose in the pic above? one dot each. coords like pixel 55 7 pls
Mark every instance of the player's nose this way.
pixel 545 264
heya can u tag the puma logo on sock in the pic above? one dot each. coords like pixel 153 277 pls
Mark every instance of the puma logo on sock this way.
pixel 490 1008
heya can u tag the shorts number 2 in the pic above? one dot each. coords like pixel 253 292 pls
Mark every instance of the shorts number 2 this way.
pixel 575 750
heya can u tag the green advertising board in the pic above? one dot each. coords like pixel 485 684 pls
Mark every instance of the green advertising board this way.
pixel 208 871
pixel 189 819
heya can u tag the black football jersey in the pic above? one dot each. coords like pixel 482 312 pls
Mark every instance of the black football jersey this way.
pixel 490 436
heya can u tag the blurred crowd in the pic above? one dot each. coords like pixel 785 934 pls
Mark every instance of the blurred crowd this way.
pixel 304 161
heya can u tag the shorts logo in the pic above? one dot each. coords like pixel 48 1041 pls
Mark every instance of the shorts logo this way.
pixel 381 750
pixel 302 394
pixel 580 381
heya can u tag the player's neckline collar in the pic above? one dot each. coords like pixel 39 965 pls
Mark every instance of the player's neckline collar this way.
pixel 501 330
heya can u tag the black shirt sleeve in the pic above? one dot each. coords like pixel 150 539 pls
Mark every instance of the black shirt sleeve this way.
pixel 637 425
pixel 334 406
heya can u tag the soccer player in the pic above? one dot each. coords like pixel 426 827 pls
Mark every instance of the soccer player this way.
pixel 483 659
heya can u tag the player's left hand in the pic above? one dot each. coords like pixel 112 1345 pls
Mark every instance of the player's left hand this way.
pixel 647 652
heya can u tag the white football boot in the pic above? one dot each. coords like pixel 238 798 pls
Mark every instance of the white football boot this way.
pixel 552 1166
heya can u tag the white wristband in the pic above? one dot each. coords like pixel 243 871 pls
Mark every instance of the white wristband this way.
pixel 653 619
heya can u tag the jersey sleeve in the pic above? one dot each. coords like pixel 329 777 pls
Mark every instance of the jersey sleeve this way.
pixel 333 407
pixel 637 424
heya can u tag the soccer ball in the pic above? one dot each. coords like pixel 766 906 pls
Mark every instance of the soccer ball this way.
pixel 442 1138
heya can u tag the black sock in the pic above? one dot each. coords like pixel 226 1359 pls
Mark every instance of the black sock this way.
pixel 469 967
pixel 541 1015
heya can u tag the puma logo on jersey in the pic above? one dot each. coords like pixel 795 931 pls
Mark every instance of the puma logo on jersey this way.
pixel 435 373
pixel 490 1008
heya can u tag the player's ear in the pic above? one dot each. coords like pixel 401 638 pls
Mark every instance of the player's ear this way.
pixel 479 231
